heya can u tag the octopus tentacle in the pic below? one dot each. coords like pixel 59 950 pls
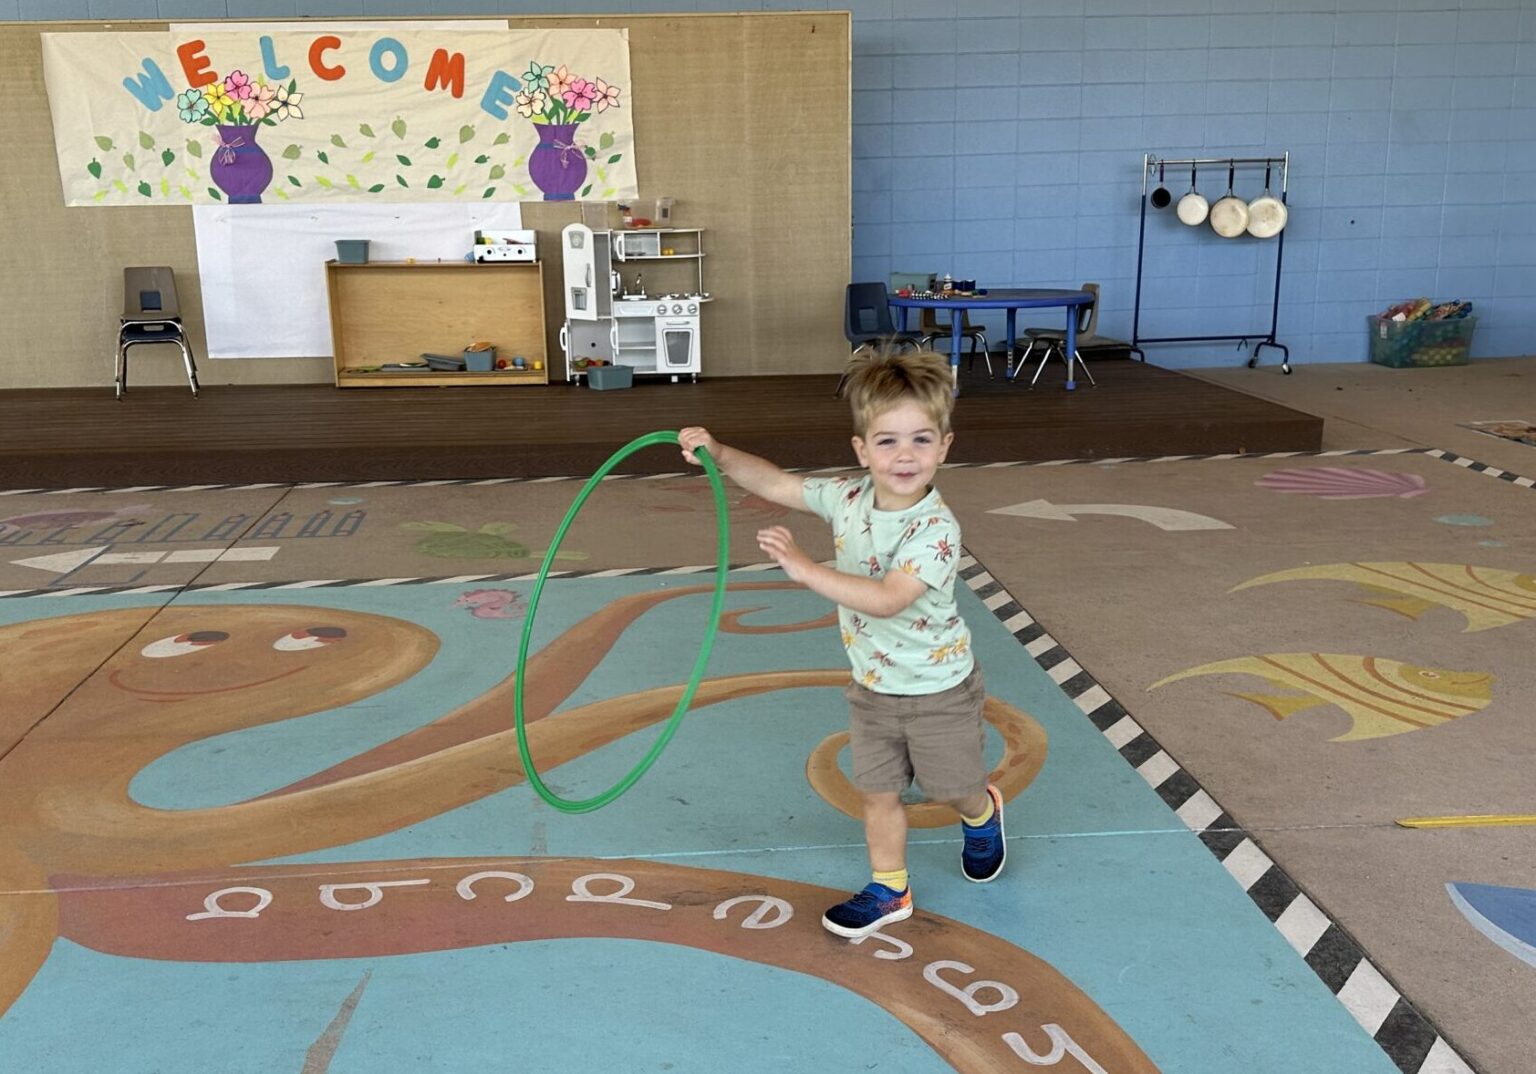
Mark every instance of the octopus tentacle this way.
pixel 554 673
pixel 92 834
pixel 28 924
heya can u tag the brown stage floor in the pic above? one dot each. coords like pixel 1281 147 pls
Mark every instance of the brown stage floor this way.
pixel 60 438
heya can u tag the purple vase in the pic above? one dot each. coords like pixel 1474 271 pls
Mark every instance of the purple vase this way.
pixel 557 165
pixel 240 167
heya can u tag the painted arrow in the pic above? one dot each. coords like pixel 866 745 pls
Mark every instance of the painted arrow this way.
pixel 1164 518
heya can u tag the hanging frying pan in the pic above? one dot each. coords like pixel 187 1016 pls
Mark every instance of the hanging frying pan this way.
pixel 1161 198
pixel 1193 206
pixel 1229 216
pixel 1267 214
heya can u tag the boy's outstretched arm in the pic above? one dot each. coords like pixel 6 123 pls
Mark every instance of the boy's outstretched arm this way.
pixel 758 476
pixel 879 597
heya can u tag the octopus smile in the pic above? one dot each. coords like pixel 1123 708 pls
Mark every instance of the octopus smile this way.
pixel 174 695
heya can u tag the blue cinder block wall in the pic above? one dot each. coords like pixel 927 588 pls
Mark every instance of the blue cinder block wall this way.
pixel 1002 140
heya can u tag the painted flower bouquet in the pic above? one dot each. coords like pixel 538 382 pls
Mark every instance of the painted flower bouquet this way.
pixel 237 101
pixel 557 102
pixel 236 107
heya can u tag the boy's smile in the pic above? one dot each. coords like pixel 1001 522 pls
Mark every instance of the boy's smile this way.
pixel 902 449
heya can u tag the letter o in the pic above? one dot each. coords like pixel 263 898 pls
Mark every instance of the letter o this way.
pixel 392 47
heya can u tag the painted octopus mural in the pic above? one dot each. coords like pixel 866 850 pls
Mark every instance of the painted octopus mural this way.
pixel 91 864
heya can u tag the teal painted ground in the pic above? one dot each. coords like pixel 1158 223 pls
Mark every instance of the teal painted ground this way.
pixel 1103 882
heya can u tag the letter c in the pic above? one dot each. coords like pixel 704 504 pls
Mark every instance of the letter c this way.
pixel 320 45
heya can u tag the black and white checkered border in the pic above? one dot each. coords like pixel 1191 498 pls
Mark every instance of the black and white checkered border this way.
pixel 1437 453
pixel 1405 1035
pixel 372 583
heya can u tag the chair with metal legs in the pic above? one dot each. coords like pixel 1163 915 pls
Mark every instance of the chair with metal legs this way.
pixel 1054 340
pixel 932 330
pixel 151 314
pixel 867 322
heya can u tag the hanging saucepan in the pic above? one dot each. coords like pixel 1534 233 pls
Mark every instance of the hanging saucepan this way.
pixel 1193 206
pixel 1267 214
pixel 1161 199
pixel 1229 216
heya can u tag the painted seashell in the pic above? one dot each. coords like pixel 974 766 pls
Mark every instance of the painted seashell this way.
pixel 1343 483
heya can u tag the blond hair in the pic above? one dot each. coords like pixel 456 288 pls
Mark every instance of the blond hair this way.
pixel 886 379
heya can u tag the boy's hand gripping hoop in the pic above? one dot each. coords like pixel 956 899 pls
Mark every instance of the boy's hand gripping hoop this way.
pixel 722 564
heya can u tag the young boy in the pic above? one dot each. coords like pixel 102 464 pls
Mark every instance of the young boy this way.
pixel 916 696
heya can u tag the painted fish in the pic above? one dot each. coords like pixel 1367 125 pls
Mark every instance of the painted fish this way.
pixel 1487 597
pixel 1382 697
pixel 1507 916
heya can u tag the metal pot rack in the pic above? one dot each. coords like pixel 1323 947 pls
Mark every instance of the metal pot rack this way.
pixel 1151 164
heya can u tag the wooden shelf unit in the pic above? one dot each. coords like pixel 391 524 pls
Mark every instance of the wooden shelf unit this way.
pixel 395 311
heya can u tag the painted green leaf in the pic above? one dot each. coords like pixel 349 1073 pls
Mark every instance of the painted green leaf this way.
pixel 434 182
pixel 337 142
pixel 466 132
pixel 401 180
pixel 367 156
pixel 213 192
pixel 194 148
pixel 185 192
pixel 195 175
pixel 353 183
pixel 294 179
pixel 403 159
pixel 104 143
pixel 602 175
pixel 166 156
pixel 145 140
pixel 128 160
pixel 501 139
pixel 323 181
pixel 293 152
pixel 165 187
pixel 323 158
pixel 98 195
pixel 615 158
pixel 375 188
pixel 365 130
pixel 498 172
pixel 586 190
pixel 520 188
pixel 606 140
pixel 433 142
pixel 398 126
pixel 453 158
pixel 481 159
pixel 488 192
pixel 280 192
pixel 590 152
pixel 460 188
pixel 144 188
pixel 293 84
pixel 518 163
pixel 610 192
pixel 94 167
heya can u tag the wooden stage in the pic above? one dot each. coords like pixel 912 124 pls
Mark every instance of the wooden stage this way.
pixel 62 438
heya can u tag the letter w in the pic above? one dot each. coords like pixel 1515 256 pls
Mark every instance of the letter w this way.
pixel 151 88
pixel 445 70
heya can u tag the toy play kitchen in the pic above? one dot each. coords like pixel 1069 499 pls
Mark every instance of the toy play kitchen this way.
pixel 612 317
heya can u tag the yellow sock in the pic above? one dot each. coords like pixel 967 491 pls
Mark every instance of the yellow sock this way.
pixel 895 880
pixel 985 816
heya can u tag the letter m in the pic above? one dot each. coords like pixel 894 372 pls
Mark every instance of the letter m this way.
pixel 445 70
pixel 151 87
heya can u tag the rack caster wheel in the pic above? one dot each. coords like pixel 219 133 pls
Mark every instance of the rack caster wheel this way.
pixel 1285 367
pixel 1253 363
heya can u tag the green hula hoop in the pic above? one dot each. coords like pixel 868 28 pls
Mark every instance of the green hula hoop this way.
pixel 722 554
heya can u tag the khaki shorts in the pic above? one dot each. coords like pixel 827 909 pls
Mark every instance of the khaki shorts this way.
pixel 936 737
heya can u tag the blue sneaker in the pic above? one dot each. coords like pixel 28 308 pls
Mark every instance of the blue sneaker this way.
pixel 985 849
pixel 867 911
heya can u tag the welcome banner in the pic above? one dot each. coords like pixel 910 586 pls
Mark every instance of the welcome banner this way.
pixel 247 118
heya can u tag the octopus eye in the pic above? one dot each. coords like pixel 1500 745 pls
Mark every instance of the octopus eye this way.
pixel 182 644
pixel 1429 674
pixel 315 637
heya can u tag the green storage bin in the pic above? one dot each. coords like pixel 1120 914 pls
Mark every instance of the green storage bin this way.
pixel 1416 344
pixel 352 251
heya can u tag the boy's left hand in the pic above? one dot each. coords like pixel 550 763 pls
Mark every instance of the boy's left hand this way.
pixel 779 543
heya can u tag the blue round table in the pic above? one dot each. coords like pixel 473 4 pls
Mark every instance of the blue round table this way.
pixel 1011 299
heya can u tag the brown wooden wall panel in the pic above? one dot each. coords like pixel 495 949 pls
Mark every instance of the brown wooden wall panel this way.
pixel 743 118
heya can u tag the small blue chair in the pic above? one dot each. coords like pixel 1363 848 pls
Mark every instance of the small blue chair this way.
pixel 151 314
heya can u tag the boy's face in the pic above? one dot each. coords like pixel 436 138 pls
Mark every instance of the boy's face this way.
pixel 902 449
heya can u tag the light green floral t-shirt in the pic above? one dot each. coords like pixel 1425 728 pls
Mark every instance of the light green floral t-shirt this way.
pixel 926 647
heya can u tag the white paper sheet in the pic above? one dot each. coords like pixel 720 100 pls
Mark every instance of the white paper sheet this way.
pixel 262 267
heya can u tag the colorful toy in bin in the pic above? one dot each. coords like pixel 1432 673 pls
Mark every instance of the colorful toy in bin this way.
pixel 1422 342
